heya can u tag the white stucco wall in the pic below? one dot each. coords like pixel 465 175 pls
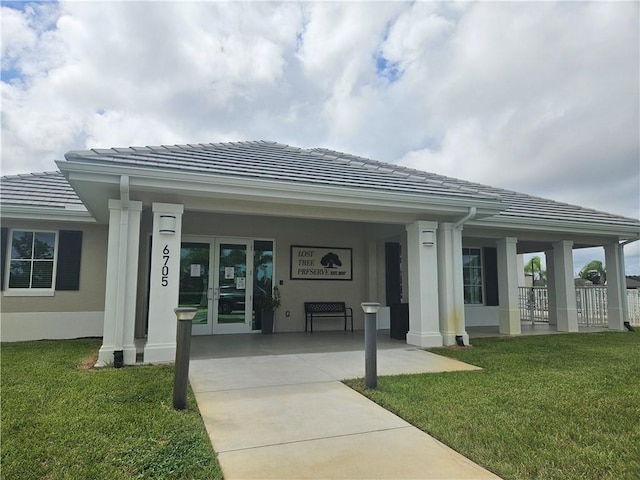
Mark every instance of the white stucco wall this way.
pixel 90 296
pixel 17 327
pixel 480 316
pixel 66 314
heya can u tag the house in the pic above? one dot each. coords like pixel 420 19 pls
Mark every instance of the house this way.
pixel 633 282
pixel 114 241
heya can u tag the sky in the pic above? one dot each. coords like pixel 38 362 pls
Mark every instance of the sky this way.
pixel 538 97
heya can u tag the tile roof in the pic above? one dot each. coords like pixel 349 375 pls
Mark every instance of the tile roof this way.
pixel 48 189
pixel 275 161
pixel 519 205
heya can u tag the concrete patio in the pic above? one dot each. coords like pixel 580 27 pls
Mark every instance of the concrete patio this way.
pixel 274 408
pixel 228 346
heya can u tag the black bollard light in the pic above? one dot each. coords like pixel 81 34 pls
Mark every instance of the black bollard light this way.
pixel 370 354
pixel 183 349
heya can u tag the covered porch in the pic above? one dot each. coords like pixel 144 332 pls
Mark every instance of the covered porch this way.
pixel 444 248
pixel 296 343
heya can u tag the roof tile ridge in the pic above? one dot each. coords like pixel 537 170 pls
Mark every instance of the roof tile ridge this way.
pixel 334 154
pixel 398 168
pixel 46 173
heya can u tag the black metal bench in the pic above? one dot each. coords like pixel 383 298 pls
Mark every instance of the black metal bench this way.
pixel 326 309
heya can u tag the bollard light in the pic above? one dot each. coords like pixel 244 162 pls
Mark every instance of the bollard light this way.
pixel 370 307
pixel 183 347
pixel 185 313
pixel 370 355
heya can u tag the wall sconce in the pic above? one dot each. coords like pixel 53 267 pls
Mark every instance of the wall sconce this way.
pixel 167 224
pixel 427 237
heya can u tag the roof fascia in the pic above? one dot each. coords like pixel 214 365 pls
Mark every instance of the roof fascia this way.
pixel 252 187
pixel 46 213
pixel 533 224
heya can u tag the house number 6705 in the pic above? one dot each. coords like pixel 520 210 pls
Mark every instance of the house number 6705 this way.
pixel 165 267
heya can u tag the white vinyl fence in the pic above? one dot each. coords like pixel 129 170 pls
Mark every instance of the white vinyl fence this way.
pixel 591 303
pixel 633 300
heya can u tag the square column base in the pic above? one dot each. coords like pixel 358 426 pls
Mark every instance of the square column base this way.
pixel 567 320
pixel 510 322
pixel 161 353
pixel 424 340
pixel 449 339
pixel 105 356
pixel 129 355
pixel 616 319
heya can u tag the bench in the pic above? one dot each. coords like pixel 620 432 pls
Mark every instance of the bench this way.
pixel 326 309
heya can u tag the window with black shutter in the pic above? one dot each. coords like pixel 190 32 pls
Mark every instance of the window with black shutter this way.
pixel 40 260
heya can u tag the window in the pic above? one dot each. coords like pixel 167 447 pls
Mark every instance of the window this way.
pixel 32 260
pixel 37 262
pixel 472 276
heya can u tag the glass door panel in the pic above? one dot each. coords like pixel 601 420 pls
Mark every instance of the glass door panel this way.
pixel 232 291
pixel 262 278
pixel 194 283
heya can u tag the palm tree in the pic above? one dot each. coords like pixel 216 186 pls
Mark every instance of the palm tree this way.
pixel 534 265
pixel 594 271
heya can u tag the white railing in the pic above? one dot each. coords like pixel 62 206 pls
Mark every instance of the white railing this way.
pixel 633 301
pixel 592 306
pixel 591 303
pixel 534 304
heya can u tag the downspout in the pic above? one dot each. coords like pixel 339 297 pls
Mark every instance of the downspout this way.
pixel 457 269
pixel 466 218
pixel 123 253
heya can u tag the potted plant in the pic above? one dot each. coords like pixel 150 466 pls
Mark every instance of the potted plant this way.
pixel 270 302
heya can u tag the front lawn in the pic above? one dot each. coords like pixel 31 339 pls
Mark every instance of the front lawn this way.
pixel 61 419
pixel 547 407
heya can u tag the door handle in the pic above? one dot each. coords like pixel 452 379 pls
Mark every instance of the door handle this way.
pixel 216 294
pixel 210 293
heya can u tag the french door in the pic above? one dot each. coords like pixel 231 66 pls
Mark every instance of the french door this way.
pixel 216 277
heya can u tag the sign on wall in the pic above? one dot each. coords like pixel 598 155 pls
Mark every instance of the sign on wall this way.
pixel 320 263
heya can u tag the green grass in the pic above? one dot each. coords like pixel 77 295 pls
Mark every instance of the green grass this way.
pixel 547 407
pixel 63 421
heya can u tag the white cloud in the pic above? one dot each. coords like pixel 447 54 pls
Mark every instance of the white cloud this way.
pixel 539 97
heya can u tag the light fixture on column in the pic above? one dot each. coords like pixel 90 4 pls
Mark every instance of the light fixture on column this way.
pixel 167 224
pixel 427 237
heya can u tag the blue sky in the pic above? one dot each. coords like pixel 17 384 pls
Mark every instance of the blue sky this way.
pixel 538 97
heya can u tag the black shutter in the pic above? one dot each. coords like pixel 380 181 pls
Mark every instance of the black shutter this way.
pixel 393 275
pixel 3 254
pixel 69 253
pixel 491 276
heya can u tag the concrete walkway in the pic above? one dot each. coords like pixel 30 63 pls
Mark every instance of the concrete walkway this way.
pixel 290 417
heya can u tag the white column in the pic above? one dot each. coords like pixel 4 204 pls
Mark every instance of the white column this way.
pixel 616 287
pixel 565 289
pixel 508 310
pixel 521 278
pixel 164 282
pixel 623 284
pixel 120 292
pixel 130 291
pixel 551 289
pixel 450 285
pixel 422 263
